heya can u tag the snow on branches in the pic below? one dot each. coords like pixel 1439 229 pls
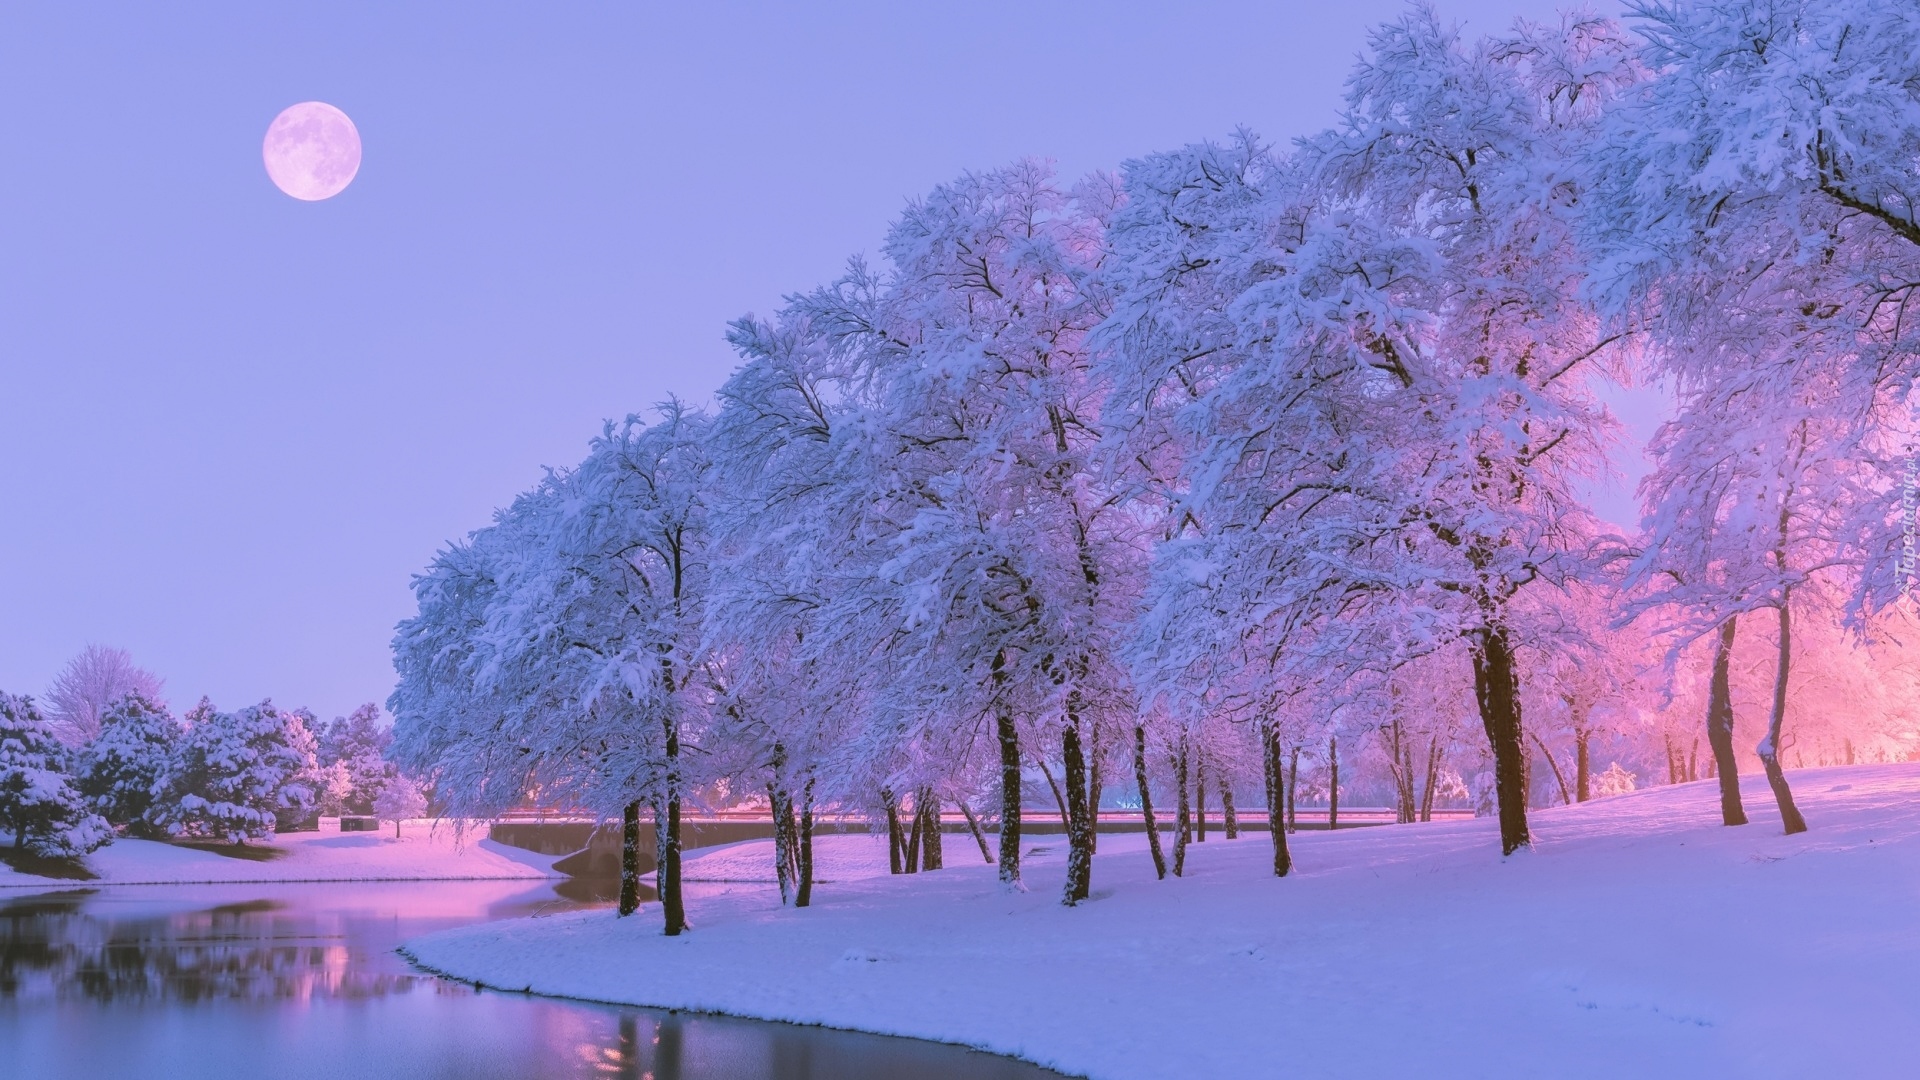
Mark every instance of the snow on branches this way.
pixel 39 806
pixel 1248 457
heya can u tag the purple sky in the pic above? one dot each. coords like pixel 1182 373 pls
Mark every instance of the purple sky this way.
pixel 233 424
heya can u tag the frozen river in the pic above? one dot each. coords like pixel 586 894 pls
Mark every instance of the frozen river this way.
pixel 297 981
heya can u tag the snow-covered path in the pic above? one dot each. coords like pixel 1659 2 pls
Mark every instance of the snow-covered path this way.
pixel 425 851
pixel 1639 938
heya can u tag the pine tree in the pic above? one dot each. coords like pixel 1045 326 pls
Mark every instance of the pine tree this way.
pixel 237 773
pixel 357 744
pixel 120 771
pixel 38 802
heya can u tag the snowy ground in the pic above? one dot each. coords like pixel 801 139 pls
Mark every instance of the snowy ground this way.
pixel 424 852
pixel 837 858
pixel 1638 938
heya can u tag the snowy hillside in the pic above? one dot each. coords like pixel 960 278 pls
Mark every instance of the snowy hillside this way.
pixel 1638 938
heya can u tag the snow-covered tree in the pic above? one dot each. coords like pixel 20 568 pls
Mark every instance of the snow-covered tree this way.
pixel 400 798
pixel 354 748
pixel 1003 565
pixel 127 763
pixel 559 653
pixel 1775 137
pixel 39 806
pixel 1378 360
pixel 88 686
pixel 790 534
pixel 1752 210
pixel 236 775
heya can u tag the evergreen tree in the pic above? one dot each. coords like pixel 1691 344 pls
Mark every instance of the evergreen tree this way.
pixel 38 803
pixel 237 773
pixel 120 771
pixel 355 746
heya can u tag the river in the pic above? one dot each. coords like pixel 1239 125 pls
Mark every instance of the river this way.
pixel 301 980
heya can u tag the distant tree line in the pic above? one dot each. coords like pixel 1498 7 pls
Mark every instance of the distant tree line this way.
pixel 212 775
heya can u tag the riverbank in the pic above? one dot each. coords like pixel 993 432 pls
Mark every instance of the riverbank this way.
pixel 424 851
pixel 1638 938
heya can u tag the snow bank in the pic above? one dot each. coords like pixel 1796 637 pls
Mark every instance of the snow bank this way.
pixel 424 852
pixel 1638 938
pixel 837 857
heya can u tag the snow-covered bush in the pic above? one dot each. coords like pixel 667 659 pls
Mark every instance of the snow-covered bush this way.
pixel 237 773
pixel 122 768
pixel 38 803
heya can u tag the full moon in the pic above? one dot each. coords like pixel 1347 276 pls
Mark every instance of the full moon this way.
pixel 312 151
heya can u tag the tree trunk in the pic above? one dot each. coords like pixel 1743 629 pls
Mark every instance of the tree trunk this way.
pixel 913 837
pixel 666 845
pixel 1079 819
pixel 1720 728
pixel 1199 797
pixel 793 837
pixel 1270 779
pixel 782 843
pixel 1435 751
pixel 1276 800
pixel 1094 784
pixel 1582 765
pixel 979 837
pixel 1182 821
pixel 1566 798
pixel 1229 819
pixel 1293 789
pixel 1497 691
pixel 1009 784
pixel 895 844
pixel 1769 748
pixel 630 859
pixel 933 852
pixel 1333 783
pixel 804 896
pixel 1146 800
pixel 1400 764
pixel 1059 800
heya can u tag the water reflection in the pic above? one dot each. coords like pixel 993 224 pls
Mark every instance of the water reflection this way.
pixel 51 946
pixel 299 981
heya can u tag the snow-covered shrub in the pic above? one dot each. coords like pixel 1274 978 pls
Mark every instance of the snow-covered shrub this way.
pixel 237 773
pixel 1615 781
pixel 38 803
pixel 120 771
